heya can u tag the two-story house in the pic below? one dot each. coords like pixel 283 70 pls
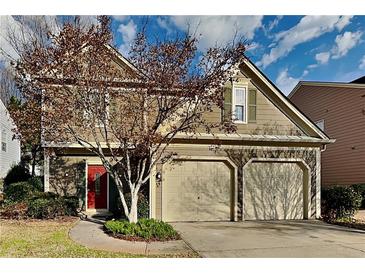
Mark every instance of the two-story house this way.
pixel 269 169
pixel 339 110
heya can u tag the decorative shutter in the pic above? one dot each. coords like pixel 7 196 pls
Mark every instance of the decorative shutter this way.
pixel 227 106
pixel 252 105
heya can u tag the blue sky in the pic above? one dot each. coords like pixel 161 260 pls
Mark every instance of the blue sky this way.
pixel 285 48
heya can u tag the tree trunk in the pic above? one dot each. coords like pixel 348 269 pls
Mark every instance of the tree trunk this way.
pixel 133 214
pixel 34 160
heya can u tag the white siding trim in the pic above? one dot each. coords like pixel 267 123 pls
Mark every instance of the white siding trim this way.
pixel 318 183
pixel 46 170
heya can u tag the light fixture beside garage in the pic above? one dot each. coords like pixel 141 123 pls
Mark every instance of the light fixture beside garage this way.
pixel 158 177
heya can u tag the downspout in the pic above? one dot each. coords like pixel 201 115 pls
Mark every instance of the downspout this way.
pixel 323 148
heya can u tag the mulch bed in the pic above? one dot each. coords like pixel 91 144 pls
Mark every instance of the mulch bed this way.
pixel 138 239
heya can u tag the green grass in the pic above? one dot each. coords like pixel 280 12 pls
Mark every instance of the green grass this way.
pixel 45 239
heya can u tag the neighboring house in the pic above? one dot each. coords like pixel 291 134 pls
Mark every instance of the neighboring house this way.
pixel 10 149
pixel 339 110
pixel 270 169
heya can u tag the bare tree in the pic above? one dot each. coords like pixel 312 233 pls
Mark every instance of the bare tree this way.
pixel 7 85
pixel 127 117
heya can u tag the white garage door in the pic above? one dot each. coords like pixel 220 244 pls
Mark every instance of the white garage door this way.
pixel 196 191
pixel 273 191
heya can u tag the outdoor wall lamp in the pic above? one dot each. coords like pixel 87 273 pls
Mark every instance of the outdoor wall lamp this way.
pixel 158 176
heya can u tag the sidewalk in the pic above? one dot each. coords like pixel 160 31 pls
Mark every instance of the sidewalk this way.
pixel 90 233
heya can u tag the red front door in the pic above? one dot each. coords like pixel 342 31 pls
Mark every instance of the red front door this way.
pixel 97 187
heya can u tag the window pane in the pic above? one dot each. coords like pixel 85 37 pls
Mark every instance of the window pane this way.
pixel 239 113
pixel 240 96
pixel 97 183
pixel 3 146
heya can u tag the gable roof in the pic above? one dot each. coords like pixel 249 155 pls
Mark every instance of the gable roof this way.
pixel 124 61
pixel 360 80
pixel 288 108
pixel 278 98
pixel 326 84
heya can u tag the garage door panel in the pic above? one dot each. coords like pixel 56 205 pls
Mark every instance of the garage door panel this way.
pixel 196 191
pixel 273 191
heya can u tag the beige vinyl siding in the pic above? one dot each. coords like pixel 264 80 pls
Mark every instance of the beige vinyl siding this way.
pixel 269 119
pixel 342 109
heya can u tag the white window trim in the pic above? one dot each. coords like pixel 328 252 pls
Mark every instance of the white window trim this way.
pixel 234 104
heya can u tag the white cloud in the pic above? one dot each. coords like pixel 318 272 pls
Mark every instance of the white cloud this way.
pixel 8 23
pixel 285 82
pixel 120 18
pixel 164 24
pixel 345 42
pixel 252 46
pixel 362 63
pixel 312 66
pixel 129 32
pixel 275 22
pixel 214 30
pixel 343 22
pixel 308 28
pixel 322 57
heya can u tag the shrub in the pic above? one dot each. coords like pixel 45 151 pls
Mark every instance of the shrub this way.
pixel 70 205
pixel 361 189
pixel 42 208
pixel 147 229
pixel 14 210
pixel 19 191
pixel 340 202
pixel 36 182
pixel 143 205
pixel 49 205
pixel 17 173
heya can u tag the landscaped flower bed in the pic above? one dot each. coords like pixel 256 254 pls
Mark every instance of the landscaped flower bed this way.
pixel 143 230
pixel 349 222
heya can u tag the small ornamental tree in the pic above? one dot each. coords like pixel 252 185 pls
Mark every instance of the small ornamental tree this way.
pixel 27 118
pixel 126 116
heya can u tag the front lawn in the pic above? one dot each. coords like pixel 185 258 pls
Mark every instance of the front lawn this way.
pixel 47 239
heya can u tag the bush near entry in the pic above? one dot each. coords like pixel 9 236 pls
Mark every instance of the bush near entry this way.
pixel 23 199
pixel 340 202
pixel 144 229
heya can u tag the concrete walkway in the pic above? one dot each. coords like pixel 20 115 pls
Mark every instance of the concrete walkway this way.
pixel 360 215
pixel 90 233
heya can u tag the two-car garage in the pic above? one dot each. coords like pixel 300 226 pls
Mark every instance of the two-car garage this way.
pixel 207 190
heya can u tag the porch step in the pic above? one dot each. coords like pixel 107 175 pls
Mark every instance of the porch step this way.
pixel 97 215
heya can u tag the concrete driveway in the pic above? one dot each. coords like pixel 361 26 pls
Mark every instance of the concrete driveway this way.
pixel 299 239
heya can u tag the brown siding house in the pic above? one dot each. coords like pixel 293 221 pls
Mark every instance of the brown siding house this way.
pixel 340 109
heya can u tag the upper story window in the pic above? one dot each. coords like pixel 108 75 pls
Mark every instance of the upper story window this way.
pixel 3 140
pixel 320 124
pixel 240 104
pixel 96 109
